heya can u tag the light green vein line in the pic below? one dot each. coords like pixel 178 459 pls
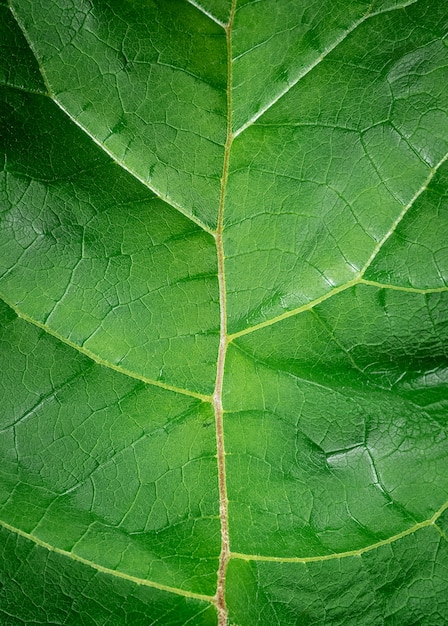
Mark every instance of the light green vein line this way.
pixel 402 213
pixel 342 555
pixel 172 203
pixel 217 396
pixel 359 278
pixel 169 201
pixel 304 307
pixel 200 8
pixel 316 62
pixel 106 570
pixel 441 532
pixel 373 283
pixel 310 305
pixel 97 359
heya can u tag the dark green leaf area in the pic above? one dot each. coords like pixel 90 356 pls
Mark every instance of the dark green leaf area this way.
pixel 363 337
pixel 338 407
pixel 147 83
pixel 403 582
pixel 237 204
pixel 90 252
pixel 42 143
pixel 43 587
pixel 104 467
pixel 383 73
pixel 18 66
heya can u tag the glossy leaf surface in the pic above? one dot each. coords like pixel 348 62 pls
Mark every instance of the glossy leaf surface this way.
pixel 224 305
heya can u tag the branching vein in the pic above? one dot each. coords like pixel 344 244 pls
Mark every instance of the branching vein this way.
pixel 316 62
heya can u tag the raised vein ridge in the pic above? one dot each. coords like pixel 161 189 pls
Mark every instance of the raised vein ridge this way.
pixel 320 58
pixel 97 359
pixel 403 212
pixel 105 570
pixel 359 279
pixel 200 8
pixel 341 555
pixel 313 303
pixel 223 342
pixel 120 162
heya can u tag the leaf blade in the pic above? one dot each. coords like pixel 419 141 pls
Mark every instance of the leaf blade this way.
pixel 305 291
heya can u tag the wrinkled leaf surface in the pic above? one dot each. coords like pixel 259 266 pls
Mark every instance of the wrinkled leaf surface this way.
pixel 224 304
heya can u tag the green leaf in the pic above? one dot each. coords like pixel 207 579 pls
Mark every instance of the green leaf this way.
pixel 224 306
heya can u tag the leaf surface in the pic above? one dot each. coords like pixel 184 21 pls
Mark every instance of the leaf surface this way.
pixel 223 273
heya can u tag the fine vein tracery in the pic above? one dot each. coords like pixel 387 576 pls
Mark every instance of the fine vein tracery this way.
pixel 318 60
pixel 359 279
pixel 236 555
pixel 101 568
pixel 342 555
pixel 225 339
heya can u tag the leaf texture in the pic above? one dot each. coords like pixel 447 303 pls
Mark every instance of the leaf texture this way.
pixel 224 304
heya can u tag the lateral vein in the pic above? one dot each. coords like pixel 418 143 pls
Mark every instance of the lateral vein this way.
pixel 105 570
pixel 341 555
pixel 320 58
pixel 99 361
pixel 402 213
pixel 200 8
pixel 308 306
pixel 223 342
pixel 172 203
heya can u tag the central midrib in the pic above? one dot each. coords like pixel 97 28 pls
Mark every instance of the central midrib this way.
pixel 223 341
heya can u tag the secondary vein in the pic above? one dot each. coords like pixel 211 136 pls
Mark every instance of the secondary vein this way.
pixel 432 521
pixel 164 197
pixel 97 359
pixel 104 570
pixel 402 213
pixel 316 62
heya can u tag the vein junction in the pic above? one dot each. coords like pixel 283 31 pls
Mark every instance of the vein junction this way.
pixel 313 303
